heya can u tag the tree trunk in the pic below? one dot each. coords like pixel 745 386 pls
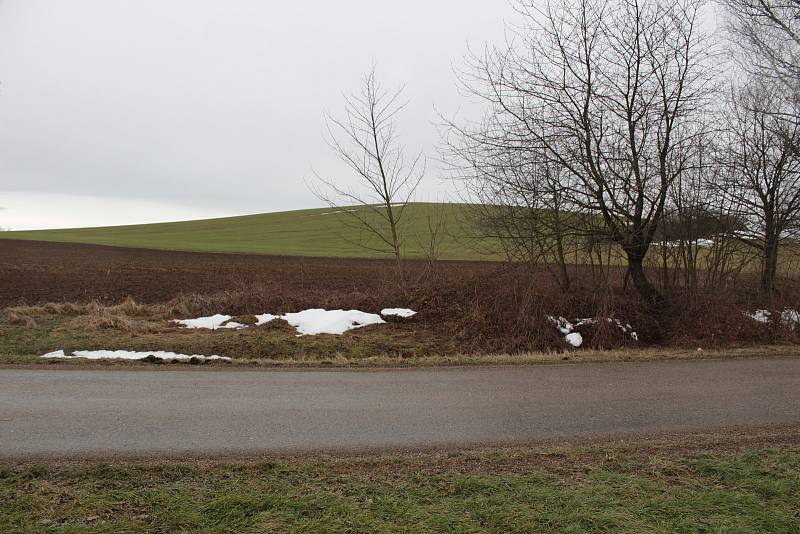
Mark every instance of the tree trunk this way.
pixel 769 267
pixel 562 264
pixel 639 278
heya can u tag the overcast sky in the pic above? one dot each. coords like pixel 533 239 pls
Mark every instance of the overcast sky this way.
pixel 121 111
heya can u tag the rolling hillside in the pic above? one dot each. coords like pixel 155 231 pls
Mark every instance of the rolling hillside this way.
pixel 315 232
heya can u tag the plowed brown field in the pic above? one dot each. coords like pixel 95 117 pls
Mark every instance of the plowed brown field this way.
pixel 36 272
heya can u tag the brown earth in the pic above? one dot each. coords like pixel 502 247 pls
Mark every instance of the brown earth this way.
pixel 465 307
pixel 37 272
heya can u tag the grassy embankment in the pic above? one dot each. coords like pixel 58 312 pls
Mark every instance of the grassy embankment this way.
pixel 391 345
pixel 740 482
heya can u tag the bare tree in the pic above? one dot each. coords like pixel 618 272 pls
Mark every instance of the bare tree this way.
pixel 515 198
pixel 365 139
pixel 762 162
pixel 607 91
pixel 766 39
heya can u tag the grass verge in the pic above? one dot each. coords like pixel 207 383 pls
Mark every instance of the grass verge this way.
pixel 744 481
pixel 343 361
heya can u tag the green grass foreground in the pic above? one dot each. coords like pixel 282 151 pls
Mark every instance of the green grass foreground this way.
pixel 313 232
pixel 596 489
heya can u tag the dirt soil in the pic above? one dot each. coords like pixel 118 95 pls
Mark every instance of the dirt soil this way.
pixel 37 272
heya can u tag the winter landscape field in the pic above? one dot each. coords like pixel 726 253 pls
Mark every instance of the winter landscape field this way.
pixel 454 266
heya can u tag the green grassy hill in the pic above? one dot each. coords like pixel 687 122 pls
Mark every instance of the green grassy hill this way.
pixel 315 232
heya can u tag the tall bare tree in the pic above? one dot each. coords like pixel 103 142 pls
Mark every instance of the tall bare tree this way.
pixel 762 162
pixel 365 139
pixel 608 91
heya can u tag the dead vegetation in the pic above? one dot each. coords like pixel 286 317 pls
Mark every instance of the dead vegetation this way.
pixel 465 308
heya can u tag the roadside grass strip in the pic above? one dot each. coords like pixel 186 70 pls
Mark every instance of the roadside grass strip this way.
pixel 600 489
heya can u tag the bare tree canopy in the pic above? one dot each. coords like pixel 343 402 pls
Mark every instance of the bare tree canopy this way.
pixel 611 93
pixel 365 139
pixel 767 35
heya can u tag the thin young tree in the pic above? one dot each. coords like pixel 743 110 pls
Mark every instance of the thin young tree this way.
pixel 608 91
pixel 365 138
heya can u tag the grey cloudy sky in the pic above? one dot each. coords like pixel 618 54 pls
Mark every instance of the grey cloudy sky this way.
pixel 117 111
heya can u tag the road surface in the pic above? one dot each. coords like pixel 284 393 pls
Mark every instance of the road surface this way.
pixel 68 413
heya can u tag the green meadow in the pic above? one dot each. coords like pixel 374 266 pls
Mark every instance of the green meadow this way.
pixel 312 232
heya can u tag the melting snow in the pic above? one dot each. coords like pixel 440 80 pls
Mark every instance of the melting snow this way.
pixel 789 316
pixel 265 318
pixel 398 312
pixel 131 355
pixel 703 243
pixel 576 339
pixel 312 322
pixel 307 322
pixel 210 323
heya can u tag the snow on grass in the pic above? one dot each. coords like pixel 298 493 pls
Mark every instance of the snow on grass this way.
pixel 265 318
pixel 318 321
pixel 398 312
pixel 132 355
pixel 209 323
pixel 306 322
pixel 576 339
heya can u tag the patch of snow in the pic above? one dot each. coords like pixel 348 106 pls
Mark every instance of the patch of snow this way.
pixel 762 316
pixel 209 323
pixel 265 318
pixel 338 211
pixel 702 243
pixel 789 316
pixel 568 329
pixel 574 339
pixel 562 324
pixel 318 321
pixel 131 355
pixel 307 322
pixel 398 312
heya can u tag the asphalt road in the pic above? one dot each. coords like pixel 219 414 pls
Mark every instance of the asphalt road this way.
pixel 68 413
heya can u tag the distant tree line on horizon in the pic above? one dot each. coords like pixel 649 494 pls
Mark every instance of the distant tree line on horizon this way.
pixel 612 126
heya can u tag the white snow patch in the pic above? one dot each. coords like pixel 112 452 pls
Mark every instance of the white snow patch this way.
pixel 762 316
pixel 574 339
pixel 318 321
pixel 131 355
pixel 568 329
pixel 265 318
pixel 338 211
pixel 562 324
pixel 789 316
pixel 209 323
pixel 702 243
pixel 307 322
pixel 398 312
